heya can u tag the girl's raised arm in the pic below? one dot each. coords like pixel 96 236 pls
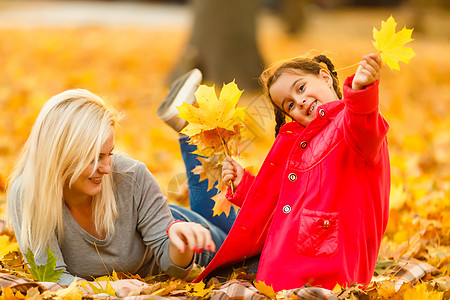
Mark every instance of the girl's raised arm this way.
pixel 365 127
pixel 368 71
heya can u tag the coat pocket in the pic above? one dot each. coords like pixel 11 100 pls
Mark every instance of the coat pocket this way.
pixel 318 233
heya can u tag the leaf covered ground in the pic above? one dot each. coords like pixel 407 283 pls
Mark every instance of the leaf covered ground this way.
pixel 129 67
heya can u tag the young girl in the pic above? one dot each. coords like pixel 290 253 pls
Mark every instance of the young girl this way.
pixel 97 211
pixel 318 208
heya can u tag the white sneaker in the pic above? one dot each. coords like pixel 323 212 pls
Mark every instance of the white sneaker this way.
pixel 181 91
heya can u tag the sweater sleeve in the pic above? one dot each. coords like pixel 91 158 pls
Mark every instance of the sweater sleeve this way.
pixel 241 191
pixel 365 128
pixel 154 217
pixel 41 259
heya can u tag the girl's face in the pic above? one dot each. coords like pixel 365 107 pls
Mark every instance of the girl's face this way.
pixel 299 94
pixel 89 182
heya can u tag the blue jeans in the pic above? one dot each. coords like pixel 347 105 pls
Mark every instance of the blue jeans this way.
pixel 201 204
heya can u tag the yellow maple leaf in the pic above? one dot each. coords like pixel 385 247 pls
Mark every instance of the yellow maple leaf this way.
pixel 6 246
pixel 7 294
pixel 421 292
pixel 222 205
pixel 386 289
pixel 72 292
pixel 391 44
pixel 198 289
pixel 100 285
pixel 209 169
pixel 19 295
pixel 214 123
pixel 266 290
pixel 337 289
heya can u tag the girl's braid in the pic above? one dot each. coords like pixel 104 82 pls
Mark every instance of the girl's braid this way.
pixel 280 119
pixel 323 59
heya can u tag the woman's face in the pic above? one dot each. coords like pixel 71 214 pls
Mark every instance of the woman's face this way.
pixel 89 182
pixel 299 94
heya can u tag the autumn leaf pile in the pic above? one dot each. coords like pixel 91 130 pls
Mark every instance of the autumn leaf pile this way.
pixel 129 68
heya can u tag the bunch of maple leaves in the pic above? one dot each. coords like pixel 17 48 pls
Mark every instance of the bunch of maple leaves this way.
pixel 419 223
pixel 215 127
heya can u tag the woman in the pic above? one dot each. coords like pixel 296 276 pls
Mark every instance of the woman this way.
pixel 97 211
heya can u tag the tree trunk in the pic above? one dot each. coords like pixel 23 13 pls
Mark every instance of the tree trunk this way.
pixel 223 43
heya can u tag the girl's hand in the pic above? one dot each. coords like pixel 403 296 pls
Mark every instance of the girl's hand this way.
pixel 368 71
pixel 191 235
pixel 232 171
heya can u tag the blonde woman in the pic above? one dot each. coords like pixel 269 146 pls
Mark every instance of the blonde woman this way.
pixel 97 211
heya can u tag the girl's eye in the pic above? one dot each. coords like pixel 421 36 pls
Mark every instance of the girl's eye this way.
pixel 301 88
pixel 290 106
pixel 110 154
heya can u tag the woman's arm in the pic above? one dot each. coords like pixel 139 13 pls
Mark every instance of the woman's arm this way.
pixel 174 249
pixel 186 238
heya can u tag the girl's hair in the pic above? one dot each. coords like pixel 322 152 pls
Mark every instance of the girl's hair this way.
pixel 66 138
pixel 302 64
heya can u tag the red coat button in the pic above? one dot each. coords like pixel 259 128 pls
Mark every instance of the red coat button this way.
pixel 292 177
pixel 322 112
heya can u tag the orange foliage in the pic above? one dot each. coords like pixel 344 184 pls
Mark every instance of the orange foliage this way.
pixel 129 68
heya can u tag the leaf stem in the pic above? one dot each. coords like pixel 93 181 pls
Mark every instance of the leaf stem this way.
pixel 348 67
pixel 227 152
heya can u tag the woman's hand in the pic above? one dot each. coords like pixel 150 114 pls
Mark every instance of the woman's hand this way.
pixel 232 172
pixel 187 238
pixel 122 287
pixel 368 71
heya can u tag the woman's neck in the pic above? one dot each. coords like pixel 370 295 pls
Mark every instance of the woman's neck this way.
pixel 81 210
pixel 73 199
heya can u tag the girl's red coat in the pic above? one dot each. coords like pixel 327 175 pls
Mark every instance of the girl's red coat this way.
pixel 319 206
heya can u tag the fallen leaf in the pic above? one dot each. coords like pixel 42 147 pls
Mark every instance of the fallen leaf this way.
pixel 6 246
pixel 420 292
pixel 72 292
pixel 45 272
pixel 386 289
pixel 199 290
pixel 383 267
pixel 265 290
pixel 98 288
pixel 7 294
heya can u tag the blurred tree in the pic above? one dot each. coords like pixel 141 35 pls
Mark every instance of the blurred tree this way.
pixel 292 13
pixel 223 43
pixel 375 2
pixel 421 9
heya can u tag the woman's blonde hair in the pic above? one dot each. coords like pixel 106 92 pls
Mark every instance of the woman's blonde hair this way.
pixel 66 138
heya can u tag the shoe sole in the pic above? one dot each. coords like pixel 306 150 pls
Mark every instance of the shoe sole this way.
pixel 179 93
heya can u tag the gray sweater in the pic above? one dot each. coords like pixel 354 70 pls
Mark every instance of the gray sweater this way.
pixel 140 244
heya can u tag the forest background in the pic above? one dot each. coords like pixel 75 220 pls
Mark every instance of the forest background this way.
pixel 127 52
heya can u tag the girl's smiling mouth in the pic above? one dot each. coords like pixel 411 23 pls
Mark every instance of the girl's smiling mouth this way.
pixel 311 107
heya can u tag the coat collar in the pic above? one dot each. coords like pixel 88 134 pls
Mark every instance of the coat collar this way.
pixel 331 109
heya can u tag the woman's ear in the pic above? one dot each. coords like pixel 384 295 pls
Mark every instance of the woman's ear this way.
pixel 325 74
